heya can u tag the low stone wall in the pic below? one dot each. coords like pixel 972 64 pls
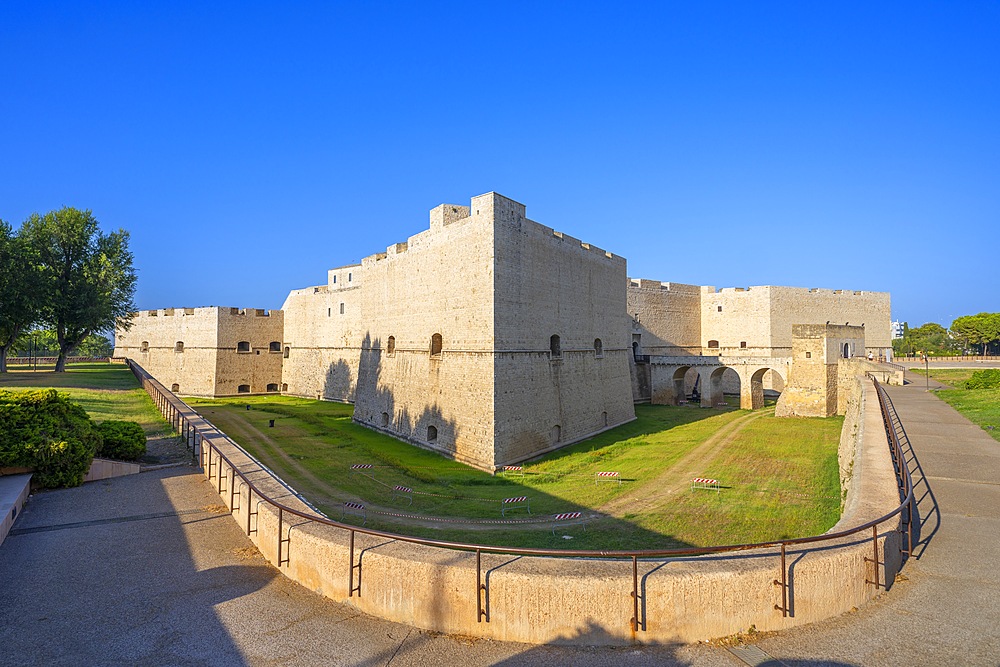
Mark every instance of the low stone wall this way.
pixel 547 599
pixel 106 469
pixel 567 600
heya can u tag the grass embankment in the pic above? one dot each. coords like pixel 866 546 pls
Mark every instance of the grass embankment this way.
pixel 779 476
pixel 980 406
pixel 105 391
pixel 954 377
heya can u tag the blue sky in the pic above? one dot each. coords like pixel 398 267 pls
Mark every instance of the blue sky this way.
pixel 249 147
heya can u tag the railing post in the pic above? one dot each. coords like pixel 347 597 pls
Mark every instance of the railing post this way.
pixel 635 593
pixel 279 536
pixel 481 611
pixel 783 582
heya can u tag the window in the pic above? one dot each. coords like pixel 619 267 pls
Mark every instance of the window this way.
pixel 390 346
pixel 847 351
pixel 335 280
pixel 341 307
pixel 432 434
pixel 272 386
pixel 179 346
pixel 436 345
pixel 555 348
pixel 175 387
pixel 243 346
pixel 556 433
pixel 144 346
pixel 284 386
pixel 385 419
pixel 274 346
pixel 598 347
pixel 287 350
pixel 743 343
pixel 329 312
pixel 713 344
pixel 243 389
pixel 604 418
pixel 720 308
pixel 350 277
pixel 809 355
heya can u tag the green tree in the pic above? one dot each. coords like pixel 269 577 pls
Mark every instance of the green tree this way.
pixel 20 302
pixel 982 329
pixel 87 276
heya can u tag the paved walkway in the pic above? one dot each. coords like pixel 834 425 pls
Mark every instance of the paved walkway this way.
pixel 150 570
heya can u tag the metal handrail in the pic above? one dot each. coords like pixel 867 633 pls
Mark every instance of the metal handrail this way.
pixel 170 406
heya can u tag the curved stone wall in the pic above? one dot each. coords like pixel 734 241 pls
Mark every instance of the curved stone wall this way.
pixel 573 600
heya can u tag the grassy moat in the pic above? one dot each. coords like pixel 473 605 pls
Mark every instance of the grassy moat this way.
pixel 779 477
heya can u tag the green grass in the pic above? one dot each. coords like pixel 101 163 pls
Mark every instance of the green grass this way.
pixel 980 406
pixel 954 377
pixel 106 391
pixel 781 476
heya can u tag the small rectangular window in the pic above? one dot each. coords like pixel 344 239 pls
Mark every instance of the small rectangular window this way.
pixel 720 309
pixel 341 307
pixel 350 277
pixel 743 343
pixel 809 355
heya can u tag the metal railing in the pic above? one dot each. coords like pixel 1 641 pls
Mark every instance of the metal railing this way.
pixel 210 456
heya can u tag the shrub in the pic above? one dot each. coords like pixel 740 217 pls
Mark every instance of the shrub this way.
pixel 985 379
pixel 43 430
pixel 121 440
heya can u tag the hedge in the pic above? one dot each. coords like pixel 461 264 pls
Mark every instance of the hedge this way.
pixel 121 440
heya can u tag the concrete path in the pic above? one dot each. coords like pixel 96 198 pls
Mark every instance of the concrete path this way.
pixel 945 610
pixel 150 570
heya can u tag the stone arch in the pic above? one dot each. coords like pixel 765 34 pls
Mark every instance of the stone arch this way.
pixel 712 395
pixel 752 388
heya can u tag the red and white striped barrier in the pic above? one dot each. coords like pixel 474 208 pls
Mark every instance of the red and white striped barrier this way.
pixel 567 518
pixel 607 476
pixel 516 502
pixel 705 483
pixel 355 509
pixel 366 469
pixel 513 470
pixel 402 492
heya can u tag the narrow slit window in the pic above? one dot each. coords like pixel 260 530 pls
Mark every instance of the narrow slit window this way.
pixel 390 346
pixel 436 345
pixel 598 347
pixel 555 346
pixel 144 346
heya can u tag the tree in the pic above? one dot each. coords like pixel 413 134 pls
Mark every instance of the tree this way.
pixel 20 303
pixel 87 276
pixel 982 329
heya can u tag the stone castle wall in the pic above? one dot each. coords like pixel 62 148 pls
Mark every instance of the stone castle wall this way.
pixel 194 350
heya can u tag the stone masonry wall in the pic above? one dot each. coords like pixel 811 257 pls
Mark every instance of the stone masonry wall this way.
pixel 551 284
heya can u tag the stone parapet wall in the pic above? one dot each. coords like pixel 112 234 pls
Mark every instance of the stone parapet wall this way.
pixel 586 601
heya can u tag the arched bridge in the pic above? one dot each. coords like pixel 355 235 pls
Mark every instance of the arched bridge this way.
pixel 666 375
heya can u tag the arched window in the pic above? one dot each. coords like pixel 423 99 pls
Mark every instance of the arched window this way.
pixel 385 419
pixel 243 389
pixel 273 386
pixel 555 348
pixel 556 433
pixel 144 346
pixel 287 350
pixel 179 346
pixel 274 346
pixel 175 387
pixel 284 386
pixel 604 418
pixel 390 346
pixel 243 346
pixel 432 434
pixel 713 344
pixel 847 350
pixel 598 347
pixel 436 345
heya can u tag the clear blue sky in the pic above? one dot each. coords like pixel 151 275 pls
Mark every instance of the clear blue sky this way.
pixel 249 147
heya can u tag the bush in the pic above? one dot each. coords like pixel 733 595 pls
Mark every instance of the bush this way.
pixel 121 440
pixel 986 379
pixel 43 430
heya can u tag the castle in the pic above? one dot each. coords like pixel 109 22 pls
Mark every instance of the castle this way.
pixel 492 338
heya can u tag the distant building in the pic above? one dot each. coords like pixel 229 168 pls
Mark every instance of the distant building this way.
pixel 897 329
